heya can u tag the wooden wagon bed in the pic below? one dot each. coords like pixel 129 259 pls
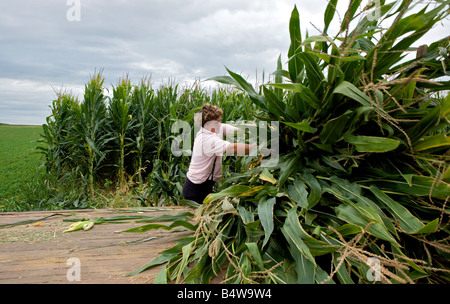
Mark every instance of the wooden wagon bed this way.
pixel 39 252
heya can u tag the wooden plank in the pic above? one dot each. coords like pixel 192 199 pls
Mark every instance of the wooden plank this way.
pixel 40 254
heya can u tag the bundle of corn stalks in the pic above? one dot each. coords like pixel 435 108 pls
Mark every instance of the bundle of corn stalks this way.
pixel 361 189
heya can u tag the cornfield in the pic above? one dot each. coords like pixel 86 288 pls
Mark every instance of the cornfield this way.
pixel 124 141
pixel 360 192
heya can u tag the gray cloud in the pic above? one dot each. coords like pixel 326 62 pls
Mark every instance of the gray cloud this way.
pixel 185 40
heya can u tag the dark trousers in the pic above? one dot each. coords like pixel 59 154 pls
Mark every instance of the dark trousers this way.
pixel 197 192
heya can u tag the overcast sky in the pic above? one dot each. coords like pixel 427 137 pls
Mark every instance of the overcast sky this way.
pixel 41 49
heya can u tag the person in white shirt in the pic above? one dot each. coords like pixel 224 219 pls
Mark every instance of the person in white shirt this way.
pixel 209 146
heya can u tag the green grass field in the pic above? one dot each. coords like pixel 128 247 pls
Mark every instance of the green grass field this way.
pixel 25 186
pixel 19 165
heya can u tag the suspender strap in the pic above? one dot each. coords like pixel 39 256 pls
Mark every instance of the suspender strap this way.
pixel 211 175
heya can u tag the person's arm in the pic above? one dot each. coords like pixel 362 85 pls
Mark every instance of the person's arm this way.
pixel 228 129
pixel 239 148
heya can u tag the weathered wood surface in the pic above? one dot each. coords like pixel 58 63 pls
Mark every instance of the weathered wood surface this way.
pixel 40 253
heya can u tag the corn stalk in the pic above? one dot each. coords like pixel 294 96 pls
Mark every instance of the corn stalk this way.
pixel 142 104
pixel 121 123
pixel 90 131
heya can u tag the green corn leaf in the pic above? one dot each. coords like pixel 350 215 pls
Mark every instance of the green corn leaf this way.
pixel 265 214
pixel 305 268
pixel 245 266
pixel 279 78
pixel 246 215
pixel 315 190
pixel 315 246
pixel 38 220
pixel 353 192
pixel 354 5
pixel 256 253
pixel 148 227
pixel 161 277
pixel 342 273
pixel 348 89
pixel 287 168
pixel 190 116
pixel 93 146
pixel 318 38
pixel 275 106
pixel 305 92
pixel 292 232
pixel 429 228
pixel 248 88
pixel 419 186
pixel 434 141
pixel 446 175
pixel 297 192
pixel 332 131
pixel 186 250
pixel 226 80
pixel 302 126
pixel 252 229
pixel 323 276
pixel 417 24
pixel 267 176
pixel 323 56
pixel 429 121
pixel 305 264
pixel 408 222
pixel 168 218
pixel 313 71
pixel 348 229
pixel 294 64
pixel 352 58
pixel 235 191
pixel 161 259
pixel 239 82
pixel 198 268
pixel 329 14
pixel 372 143
pixel 361 216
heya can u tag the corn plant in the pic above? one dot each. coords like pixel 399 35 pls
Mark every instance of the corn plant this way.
pixel 361 189
pixel 60 186
pixel 90 131
pixel 141 105
pixel 57 149
pixel 121 123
